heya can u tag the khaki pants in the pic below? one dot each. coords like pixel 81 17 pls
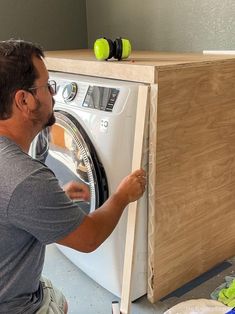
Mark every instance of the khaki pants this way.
pixel 53 300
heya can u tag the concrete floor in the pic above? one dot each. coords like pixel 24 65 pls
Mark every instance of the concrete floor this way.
pixel 87 297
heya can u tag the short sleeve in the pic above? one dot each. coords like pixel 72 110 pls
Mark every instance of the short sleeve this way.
pixel 40 207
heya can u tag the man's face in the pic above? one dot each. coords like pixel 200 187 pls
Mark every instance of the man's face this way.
pixel 43 113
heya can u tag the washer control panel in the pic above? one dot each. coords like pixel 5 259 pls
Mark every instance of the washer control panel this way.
pixel 90 94
pixel 86 95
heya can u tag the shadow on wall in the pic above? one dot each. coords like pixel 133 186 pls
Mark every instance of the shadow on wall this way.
pixel 54 24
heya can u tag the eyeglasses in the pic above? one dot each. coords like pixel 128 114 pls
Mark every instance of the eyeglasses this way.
pixel 51 85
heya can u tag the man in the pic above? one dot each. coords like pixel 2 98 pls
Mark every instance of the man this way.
pixel 34 210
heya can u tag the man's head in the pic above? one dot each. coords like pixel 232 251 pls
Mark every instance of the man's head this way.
pixel 17 71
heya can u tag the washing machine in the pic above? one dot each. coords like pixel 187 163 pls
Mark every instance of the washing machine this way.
pixel 92 142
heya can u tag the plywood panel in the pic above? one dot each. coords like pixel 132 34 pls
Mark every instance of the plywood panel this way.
pixel 194 200
pixel 139 67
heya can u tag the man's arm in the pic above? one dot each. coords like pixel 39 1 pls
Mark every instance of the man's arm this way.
pixel 99 224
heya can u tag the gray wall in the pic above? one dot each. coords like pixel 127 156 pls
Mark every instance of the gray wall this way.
pixel 166 25
pixel 55 24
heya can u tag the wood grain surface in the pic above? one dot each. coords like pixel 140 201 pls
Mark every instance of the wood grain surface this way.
pixel 139 67
pixel 194 200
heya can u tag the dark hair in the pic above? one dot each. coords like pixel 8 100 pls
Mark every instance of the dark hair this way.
pixel 16 71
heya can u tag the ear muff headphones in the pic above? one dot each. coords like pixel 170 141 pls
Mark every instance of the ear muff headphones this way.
pixel 105 48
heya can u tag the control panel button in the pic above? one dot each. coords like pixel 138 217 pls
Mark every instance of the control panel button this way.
pixel 70 91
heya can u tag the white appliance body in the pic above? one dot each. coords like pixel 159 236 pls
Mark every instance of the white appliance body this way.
pixel 109 124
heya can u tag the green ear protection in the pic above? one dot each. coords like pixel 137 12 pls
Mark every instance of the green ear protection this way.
pixel 105 49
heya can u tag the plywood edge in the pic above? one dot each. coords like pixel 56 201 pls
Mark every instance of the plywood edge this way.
pixel 197 64
pixel 113 70
pixel 151 187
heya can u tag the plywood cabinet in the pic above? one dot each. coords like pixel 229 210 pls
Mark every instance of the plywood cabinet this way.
pixel 191 188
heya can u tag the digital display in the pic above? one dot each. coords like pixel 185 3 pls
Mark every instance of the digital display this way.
pixel 101 98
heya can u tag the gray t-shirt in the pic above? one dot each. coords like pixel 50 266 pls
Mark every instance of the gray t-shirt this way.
pixel 34 211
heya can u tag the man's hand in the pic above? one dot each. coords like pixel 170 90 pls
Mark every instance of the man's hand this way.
pixel 132 187
pixel 76 190
pixel 99 224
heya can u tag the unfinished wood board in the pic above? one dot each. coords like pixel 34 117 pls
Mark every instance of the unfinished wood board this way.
pixel 151 184
pixel 141 113
pixel 139 67
pixel 193 204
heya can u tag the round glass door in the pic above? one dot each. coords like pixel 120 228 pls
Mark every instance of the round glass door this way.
pixel 67 150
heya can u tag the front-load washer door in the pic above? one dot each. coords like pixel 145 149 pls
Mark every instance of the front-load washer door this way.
pixel 67 150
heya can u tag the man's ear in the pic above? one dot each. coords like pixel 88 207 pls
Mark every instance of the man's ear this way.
pixel 23 100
